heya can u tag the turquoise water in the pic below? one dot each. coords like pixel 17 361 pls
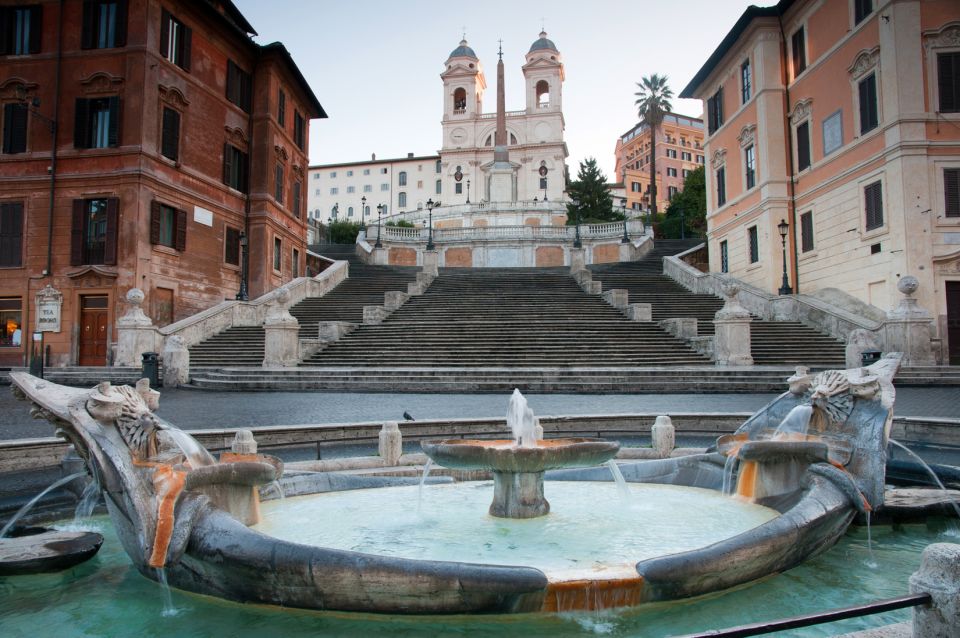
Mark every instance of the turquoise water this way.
pixel 107 597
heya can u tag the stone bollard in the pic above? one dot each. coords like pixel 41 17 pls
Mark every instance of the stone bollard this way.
pixel 281 345
pixel 909 328
pixel 663 436
pixel 392 300
pixel 176 362
pixel 390 444
pixel 431 262
pixel 244 443
pixel 939 576
pixel 858 342
pixel 639 312
pixel 582 276
pixel 681 327
pixel 135 332
pixel 617 297
pixel 578 259
pixel 593 287
pixel 732 329
pixel 373 315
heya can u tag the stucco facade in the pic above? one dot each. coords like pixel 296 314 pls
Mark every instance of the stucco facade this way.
pixel 845 133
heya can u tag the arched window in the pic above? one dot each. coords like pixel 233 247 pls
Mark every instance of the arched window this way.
pixel 419 205
pixel 333 211
pixel 402 200
pixel 403 178
pixel 489 141
pixel 439 186
pixel 460 100
pixel 367 210
pixel 350 211
pixel 543 94
pixel 513 139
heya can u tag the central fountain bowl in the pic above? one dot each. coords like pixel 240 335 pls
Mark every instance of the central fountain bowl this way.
pixel 518 470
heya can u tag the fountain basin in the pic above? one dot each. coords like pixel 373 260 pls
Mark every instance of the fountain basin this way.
pixel 507 456
pixel 35 550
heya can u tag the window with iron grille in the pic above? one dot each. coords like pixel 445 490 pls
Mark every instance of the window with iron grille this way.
pixel 806 232
pixel 873 203
pixel 754 241
pixel 724 257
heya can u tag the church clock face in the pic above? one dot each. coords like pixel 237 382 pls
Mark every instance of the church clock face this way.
pixel 458 136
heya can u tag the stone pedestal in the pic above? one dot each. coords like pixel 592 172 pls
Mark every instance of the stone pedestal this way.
pixel 617 297
pixel 431 262
pixel 858 342
pixel 681 327
pixel 732 330
pixel 373 315
pixel 328 331
pixel 518 495
pixel 135 332
pixel 592 287
pixel 939 576
pixel 393 299
pixel 663 436
pixel 639 312
pixel 909 328
pixel 502 178
pixel 176 362
pixel 390 444
pixel 578 260
pixel 282 332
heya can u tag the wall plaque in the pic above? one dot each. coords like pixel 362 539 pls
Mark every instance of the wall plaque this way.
pixel 49 302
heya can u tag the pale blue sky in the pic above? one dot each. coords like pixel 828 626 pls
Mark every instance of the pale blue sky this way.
pixel 375 64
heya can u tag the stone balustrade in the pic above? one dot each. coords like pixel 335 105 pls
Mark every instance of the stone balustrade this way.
pixel 399 234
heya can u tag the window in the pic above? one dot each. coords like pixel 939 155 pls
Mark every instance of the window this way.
pixel 799 49
pixel 234 168
pixel 295 264
pixel 715 111
pixel 832 133
pixel 951 192
pixel 543 184
pixel 333 174
pixel 93 235
pixel 458 188
pixel 168 226
pixel 170 135
pixel 277 255
pixel 97 122
pixel 459 100
pixel 278 183
pixel 806 232
pixel 334 190
pixel 175 40
pixel 686 156
pixel 438 167
pixel 724 257
pixel 104 24
pixel 873 203
pixel 745 81
pixel 11 234
pixel 296 199
pixel 750 166
pixel 349 173
pixel 634 187
pixel 753 240
pixel 867 89
pixel 803 146
pixel 299 130
pixel 366 171
pixel 948 81
pixel 14 128
pixel 11 326
pixel 384 209
pixel 20 29
pixel 238 86
pixel 685 173
pixel 439 187
pixel 671 191
pixel 721 186
pixel 419 183
pixel 402 200
pixel 672 153
pixel 231 248
pixel 383 171
pixel 317 192
pixel 861 9
pixel 383 188
pixel 671 172
pixel 701 159
pixel 349 211
pixel 282 108
pixel 402 179
pixel 351 189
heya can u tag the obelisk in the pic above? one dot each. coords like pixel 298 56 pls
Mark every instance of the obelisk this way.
pixel 502 171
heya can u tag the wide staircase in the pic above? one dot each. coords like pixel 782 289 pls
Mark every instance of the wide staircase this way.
pixel 772 342
pixel 511 317
pixel 243 345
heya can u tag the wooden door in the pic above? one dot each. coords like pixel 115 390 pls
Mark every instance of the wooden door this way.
pixel 953 321
pixel 93 331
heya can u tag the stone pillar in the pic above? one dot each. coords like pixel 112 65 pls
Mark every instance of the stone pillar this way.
pixel 639 312
pixel 373 315
pixel 281 346
pixel 176 362
pixel 681 327
pixel 939 576
pixel 617 297
pixel 431 262
pixel 578 259
pixel 858 342
pixel 329 331
pixel 909 328
pixel 390 444
pixel 393 299
pixel 732 324
pixel 663 436
pixel 244 443
pixel 135 332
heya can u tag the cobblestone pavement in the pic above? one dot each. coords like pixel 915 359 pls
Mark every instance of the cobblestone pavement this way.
pixel 191 409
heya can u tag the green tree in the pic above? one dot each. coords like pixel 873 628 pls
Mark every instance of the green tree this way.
pixel 343 232
pixel 590 201
pixel 687 209
pixel 403 223
pixel 653 102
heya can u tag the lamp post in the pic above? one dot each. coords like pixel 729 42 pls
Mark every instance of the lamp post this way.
pixel 468 191
pixel 783 227
pixel 33 107
pixel 363 212
pixel 623 211
pixel 379 244
pixel 242 295
pixel 576 238
pixel 430 206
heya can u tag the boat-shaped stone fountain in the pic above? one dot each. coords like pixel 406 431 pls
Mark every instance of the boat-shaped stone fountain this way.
pixel 802 467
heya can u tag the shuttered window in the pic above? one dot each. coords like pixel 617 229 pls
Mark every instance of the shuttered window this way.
pixel 799 50
pixel 869 112
pixel 721 186
pixel 11 234
pixel 295 265
pixel 234 168
pixel 239 85
pixel 715 111
pixel 20 29
pixel 754 242
pixel 803 146
pixel 168 226
pixel 104 24
pixel 93 236
pixel 297 188
pixel 948 81
pixel 299 129
pixel 231 249
pixel 175 40
pixel 873 202
pixel 861 9
pixel 806 232
pixel 14 128
pixel 282 109
pixel 750 166
pixel 278 183
pixel 97 122
pixel 170 136
pixel 951 192
pixel 277 255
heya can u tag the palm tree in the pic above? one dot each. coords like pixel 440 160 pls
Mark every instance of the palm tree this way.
pixel 653 102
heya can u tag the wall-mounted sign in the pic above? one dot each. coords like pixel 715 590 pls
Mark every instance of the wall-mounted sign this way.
pixel 202 216
pixel 49 302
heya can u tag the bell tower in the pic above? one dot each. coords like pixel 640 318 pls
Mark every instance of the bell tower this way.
pixel 463 84
pixel 543 75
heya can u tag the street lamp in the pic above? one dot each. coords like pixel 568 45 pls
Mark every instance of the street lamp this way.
pixel 363 211
pixel 623 211
pixel 430 206
pixel 242 295
pixel 32 105
pixel 379 218
pixel 468 191
pixel 783 227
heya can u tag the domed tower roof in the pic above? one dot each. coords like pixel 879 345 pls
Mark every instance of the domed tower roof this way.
pixel 463 51
pixel 543 44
